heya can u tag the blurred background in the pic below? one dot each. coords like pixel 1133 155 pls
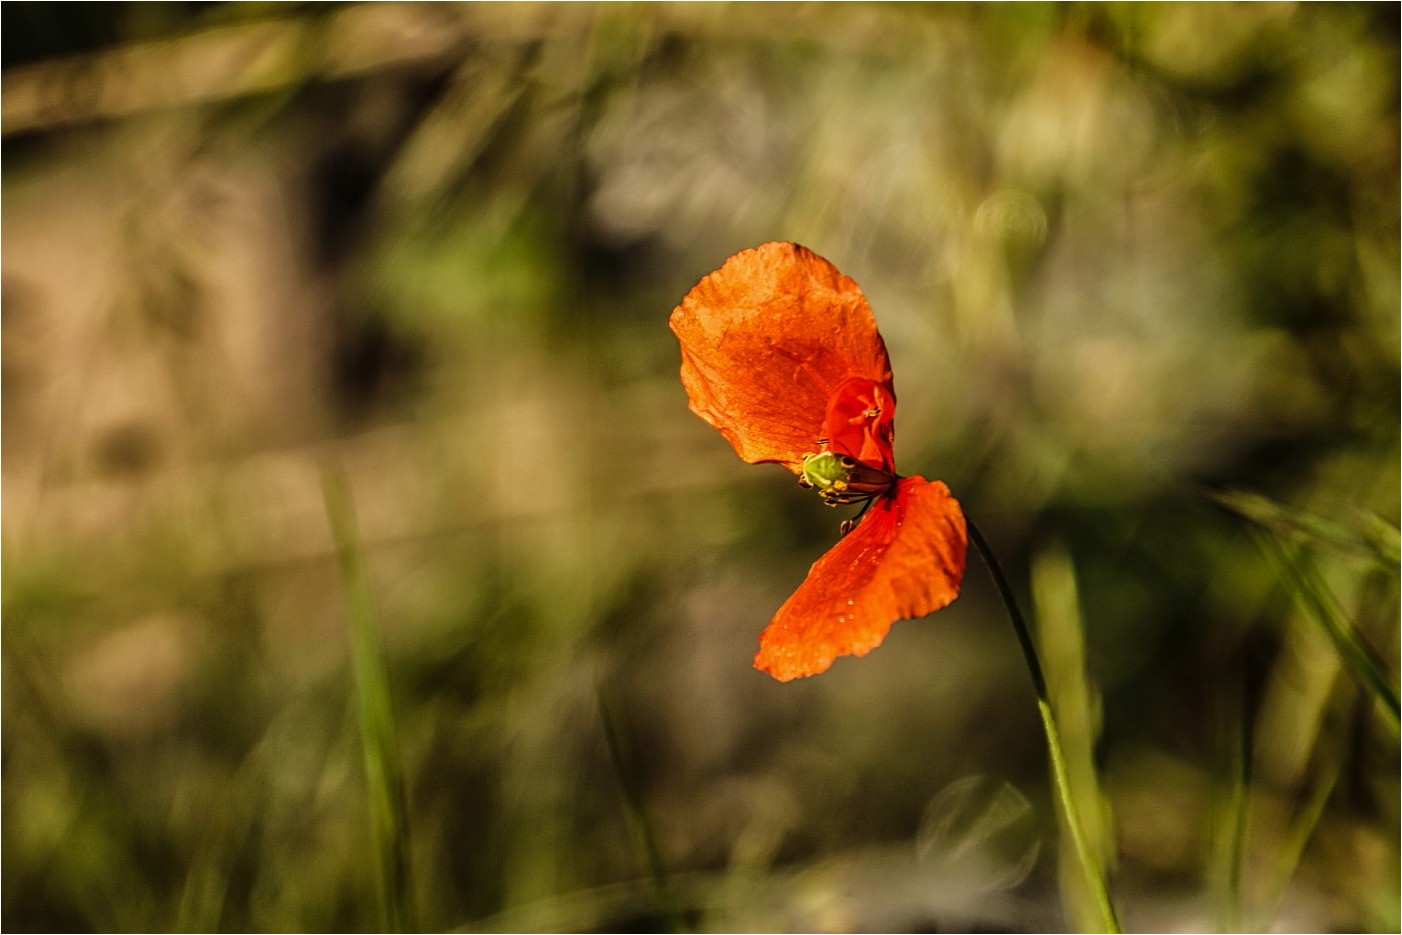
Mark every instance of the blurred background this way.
pixel 1137 266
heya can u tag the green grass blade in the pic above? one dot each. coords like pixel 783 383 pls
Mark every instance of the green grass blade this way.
pixel 384 778
pixel 1292 848
pixel 1060 633
pixel 1304 581
pixel 1236 814
pixel 1370 536
pixel 639 819
pixel 1090 867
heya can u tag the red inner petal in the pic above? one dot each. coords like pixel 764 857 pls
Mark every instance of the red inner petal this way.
pixel 860 422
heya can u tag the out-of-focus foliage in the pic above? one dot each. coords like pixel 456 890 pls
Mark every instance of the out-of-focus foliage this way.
pixel 1125 257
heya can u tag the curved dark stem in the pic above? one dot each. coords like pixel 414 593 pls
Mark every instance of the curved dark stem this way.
pixel 1005 591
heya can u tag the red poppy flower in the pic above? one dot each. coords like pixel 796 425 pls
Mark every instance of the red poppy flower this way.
pixel 780 353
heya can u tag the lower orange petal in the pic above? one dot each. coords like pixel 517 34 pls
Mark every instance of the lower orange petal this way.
pixel 904 559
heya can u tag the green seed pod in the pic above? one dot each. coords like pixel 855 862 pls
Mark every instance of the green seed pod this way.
pixel 842 479
pixel 827 471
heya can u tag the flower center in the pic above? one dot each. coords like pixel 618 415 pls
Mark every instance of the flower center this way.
pixel 841 479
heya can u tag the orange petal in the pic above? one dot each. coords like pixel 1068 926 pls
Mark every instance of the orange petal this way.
pixel 905 559
pixel 766 341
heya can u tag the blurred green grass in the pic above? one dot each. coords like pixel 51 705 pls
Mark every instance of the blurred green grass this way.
pixel 1123 256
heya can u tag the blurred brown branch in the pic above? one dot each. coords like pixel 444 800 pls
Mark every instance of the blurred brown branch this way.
pixel 223 63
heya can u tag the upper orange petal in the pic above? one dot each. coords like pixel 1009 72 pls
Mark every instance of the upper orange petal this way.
pixel 766 341
pixel 904 559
